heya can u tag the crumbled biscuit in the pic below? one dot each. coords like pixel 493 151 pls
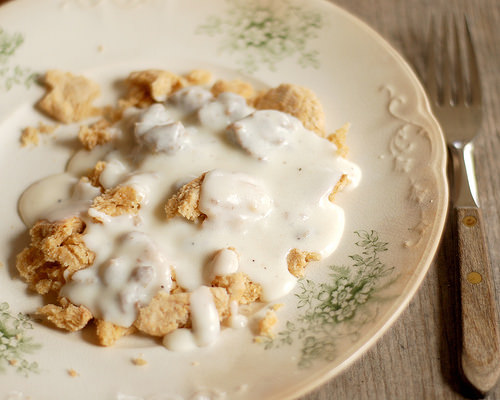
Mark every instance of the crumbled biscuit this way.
pixel 339 186
pixel 56 248
pixel 338 138
pixel 70 97
pixel 267 324
pixel 112 114
pixel 73 373
pixel 94 175
pixel 137 96
pixel 108 333
pixel 117 201
pixel 297 261
pixel 95 134
pixel 139 361
pixel 46 129
pixel 148 86
pixel 67 316
pixel 29 136
pixel 167 312
pixel 221 301
pixel 244 89
pixel 185 201
pixel 298 101
pixel 239 287
pixel 198 77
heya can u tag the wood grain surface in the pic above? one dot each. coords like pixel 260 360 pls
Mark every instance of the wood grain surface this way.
pixel 418 357
pixel 480 341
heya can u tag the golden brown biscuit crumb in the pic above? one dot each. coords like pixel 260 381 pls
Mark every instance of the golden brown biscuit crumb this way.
pixel 338 138
pixel 29 135
pixel 117 201
pixel 198 77
pixel 94 175
pixel 267 323
pixel 239 287
pixel 67 316
pixel 70 97
pixel 73 373
pixel 244 89
pixel 55 247
pixel 96 134
pixel 13 361
pixel 297 261
pixel 165 313
pixel 339 186
pixel 146 87
pixel 185 201
pixel 221 301
pixel 298 101
pixel 108 333
pixel 139 361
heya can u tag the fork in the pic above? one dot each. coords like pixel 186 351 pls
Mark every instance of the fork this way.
pixel 455 95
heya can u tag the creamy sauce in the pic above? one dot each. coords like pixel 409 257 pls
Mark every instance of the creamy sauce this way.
pixel 265 192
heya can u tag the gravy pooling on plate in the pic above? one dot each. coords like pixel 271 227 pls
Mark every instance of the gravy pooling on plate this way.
pixel 192 204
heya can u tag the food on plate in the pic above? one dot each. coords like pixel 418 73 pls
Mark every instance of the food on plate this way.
pixel 191 207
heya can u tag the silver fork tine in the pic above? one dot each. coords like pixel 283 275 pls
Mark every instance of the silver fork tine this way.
pixel 474 80
pixel 459 73
pixel 446 86
pixel 431 82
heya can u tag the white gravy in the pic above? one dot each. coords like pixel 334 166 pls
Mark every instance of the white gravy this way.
pixel 265 193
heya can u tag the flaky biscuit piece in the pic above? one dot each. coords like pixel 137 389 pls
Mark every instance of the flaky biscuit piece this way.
pixel 67 316
pixel 298 101
pixel 338 138
pixel 29 136
pixel 339 186
pixel 94 175
pixel 70 97
pixel 108 333
pixel 55 248
pixel 267 324
pixel 297 261
pixel 96 134
pixel 153 83
pixel 239 287
pixel 237 86
pixel 198 77
pixel 185 202
pixel 167 312
pixel 117 201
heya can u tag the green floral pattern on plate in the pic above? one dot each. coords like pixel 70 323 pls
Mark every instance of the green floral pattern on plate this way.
pixel 14 343
pixel 339 307
pixel 12 74
pixel 265 33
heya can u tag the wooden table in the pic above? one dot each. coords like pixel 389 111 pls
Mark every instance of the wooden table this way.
pixel 417 358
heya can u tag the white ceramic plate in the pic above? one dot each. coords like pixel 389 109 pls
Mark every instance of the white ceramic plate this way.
pixel 394 219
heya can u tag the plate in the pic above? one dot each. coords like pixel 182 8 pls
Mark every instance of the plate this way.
pixel 394 219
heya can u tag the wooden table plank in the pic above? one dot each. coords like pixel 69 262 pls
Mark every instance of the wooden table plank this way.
pixel 417 358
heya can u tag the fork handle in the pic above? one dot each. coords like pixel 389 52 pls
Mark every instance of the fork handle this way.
pixel 480 330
